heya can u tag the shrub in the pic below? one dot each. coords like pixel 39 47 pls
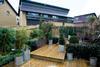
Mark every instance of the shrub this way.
pixel 32 44
pixel 74 39
pixel 61 40
pixel 37 33
pixel 7 39
pixel 83 51
pixel 6 58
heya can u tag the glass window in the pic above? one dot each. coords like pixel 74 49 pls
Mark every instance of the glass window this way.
pixel 45 16
pixel 33 14
pixel 55 17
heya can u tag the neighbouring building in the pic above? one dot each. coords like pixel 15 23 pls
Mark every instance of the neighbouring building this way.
pixel 84 18
pixel 8 16
pixel 31 13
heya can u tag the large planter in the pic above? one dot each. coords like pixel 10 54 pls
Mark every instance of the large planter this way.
pixel 27 54
pixel 93 61
pixel 19 60
pixel 50 42
pixel 61 48
pixel 69 56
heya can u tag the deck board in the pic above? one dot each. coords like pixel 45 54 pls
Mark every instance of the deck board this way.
pixel 49 52
pixel 44 63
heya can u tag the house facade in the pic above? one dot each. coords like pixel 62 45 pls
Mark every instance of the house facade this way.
pixel 8 16
pixel 31 13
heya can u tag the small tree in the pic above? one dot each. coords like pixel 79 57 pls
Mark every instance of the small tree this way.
pixel 21 38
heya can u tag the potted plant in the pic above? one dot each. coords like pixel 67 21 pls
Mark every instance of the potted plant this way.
pixel 93 59
pixel 21 39
pixel 70 50
pixel 46 28
pixel 61 43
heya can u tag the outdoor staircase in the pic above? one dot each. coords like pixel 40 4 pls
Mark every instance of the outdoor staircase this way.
pixel 50 53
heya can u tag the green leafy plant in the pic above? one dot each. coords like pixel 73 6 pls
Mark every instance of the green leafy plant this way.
pixel 61 40
pixel 70 49
pixel 7 39
pixel 50 35
pixel 21 38
pixel 46 27
pixel 37 33
pixel 74 39
pixel 4 59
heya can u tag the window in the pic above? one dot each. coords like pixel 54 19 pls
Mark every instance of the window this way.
pixel 55 17
pixel 33 14
pixel 45 16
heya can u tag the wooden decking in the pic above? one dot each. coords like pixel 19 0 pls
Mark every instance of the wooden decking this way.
pixel 46 54
pixel 51 53
pixel 44 63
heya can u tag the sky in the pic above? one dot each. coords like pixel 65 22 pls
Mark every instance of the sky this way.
pixel 76 7
pixel 15 4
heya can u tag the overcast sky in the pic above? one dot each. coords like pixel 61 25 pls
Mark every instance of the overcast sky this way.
pixel 77 7
pixel 15 4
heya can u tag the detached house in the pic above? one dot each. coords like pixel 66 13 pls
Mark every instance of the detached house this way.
pixel 8 15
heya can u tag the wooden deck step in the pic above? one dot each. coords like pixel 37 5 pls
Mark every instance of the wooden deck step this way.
pixel 51 53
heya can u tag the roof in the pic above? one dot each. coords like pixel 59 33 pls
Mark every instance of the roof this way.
pixel 43 4
pixel 32 6
pixel 13 8
pixel 87 15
